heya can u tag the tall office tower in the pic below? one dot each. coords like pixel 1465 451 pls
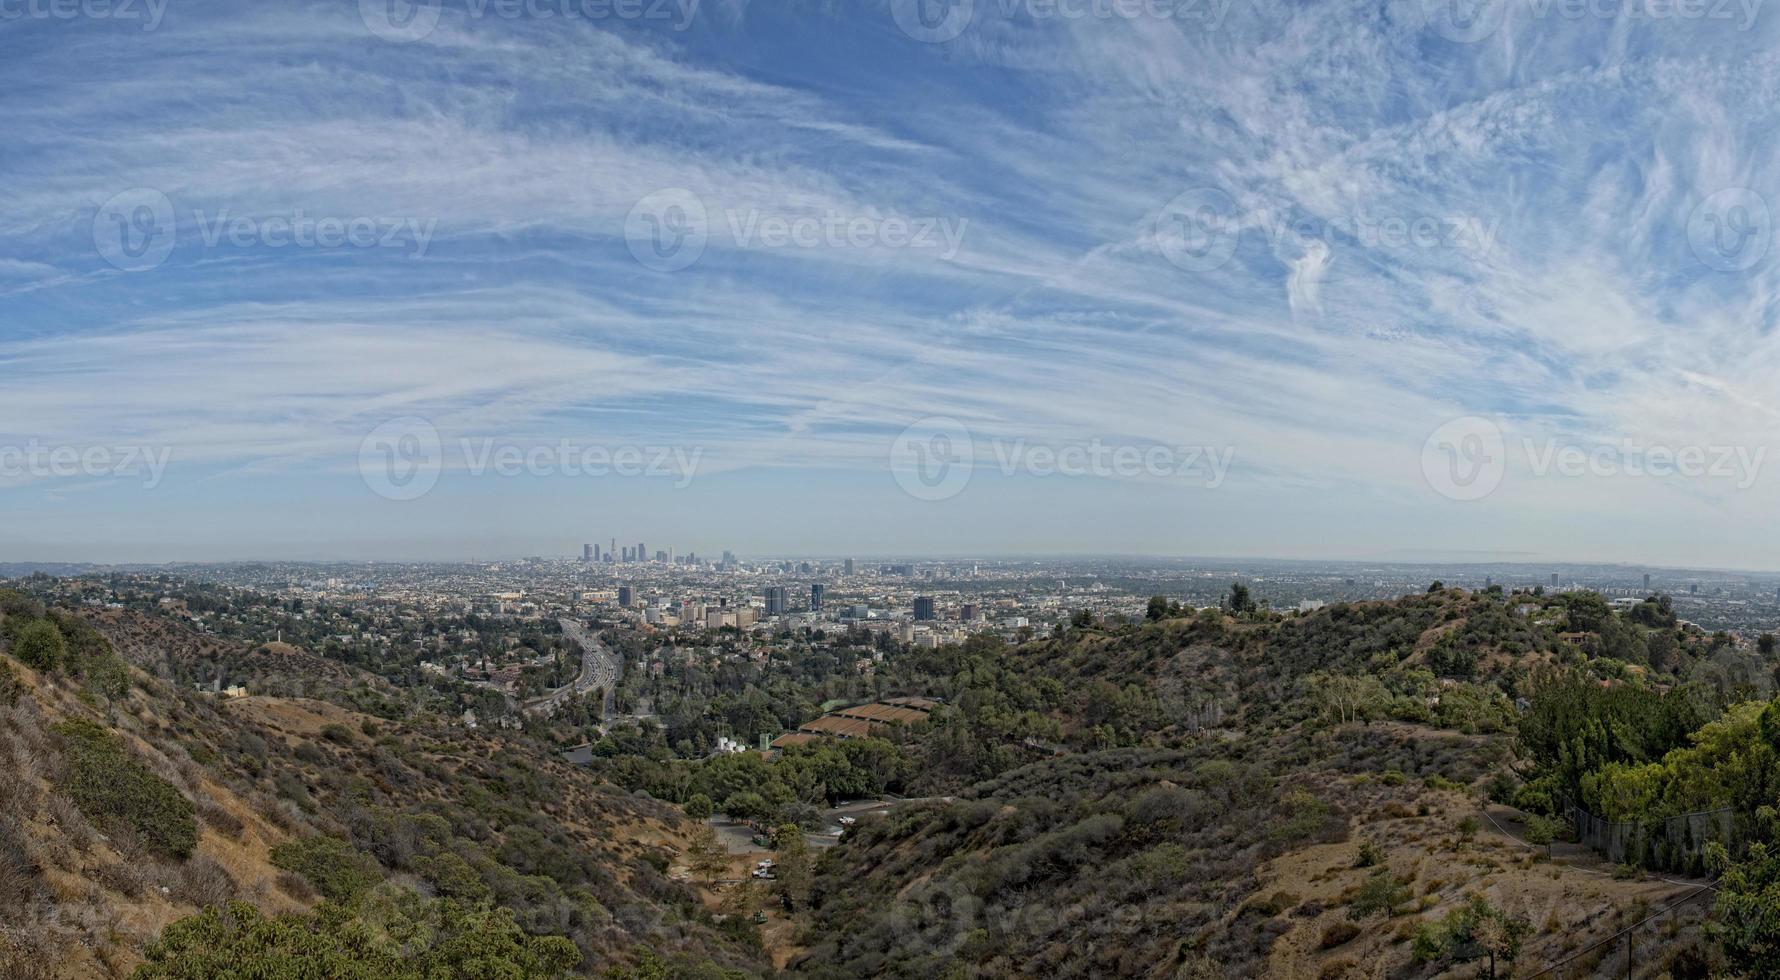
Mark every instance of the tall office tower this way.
pixel 1489 580
pixel 968 613
pixel 775 600
pixel 1554 579
pixel 625 596
pixel 848 566
pixel 816 590
pixel 587 552
pixel 924 608
pixel 612 552
pixel 642 553
pixel 1647 580
pixel 596 552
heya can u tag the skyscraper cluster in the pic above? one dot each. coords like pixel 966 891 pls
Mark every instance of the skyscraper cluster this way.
pixel 591 553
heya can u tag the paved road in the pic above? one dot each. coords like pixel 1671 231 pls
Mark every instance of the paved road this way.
pixel 738 837
pixel 600 668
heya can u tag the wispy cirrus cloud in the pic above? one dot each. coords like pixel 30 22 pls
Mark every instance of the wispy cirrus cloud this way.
pixel 1418 229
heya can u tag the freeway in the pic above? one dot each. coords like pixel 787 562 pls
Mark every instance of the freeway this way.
pixel 600 668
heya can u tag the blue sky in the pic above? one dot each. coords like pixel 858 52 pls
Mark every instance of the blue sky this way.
pixel 1356 252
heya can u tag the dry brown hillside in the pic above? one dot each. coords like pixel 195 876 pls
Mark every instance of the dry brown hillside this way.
pixel 132 803
pixel 80 902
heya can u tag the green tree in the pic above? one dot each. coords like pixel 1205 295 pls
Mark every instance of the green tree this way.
pixel 1346 698
pixel 708 858
pixel 1477 930
pixel 1747 911
pixel 107 783
pixel 40 646
pixel 1240 601
pixel 794 868
pixel 395 936
pixel 1381 892
pixel 1157 610
pixel 332 866
pixel 1542 831
pixel 698 806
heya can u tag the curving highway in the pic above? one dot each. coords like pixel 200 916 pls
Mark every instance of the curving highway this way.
pixel 600 668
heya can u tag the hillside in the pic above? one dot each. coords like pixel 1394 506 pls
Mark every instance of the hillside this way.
pixel 139 803
pixel 1367 790
pixel 1323 795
